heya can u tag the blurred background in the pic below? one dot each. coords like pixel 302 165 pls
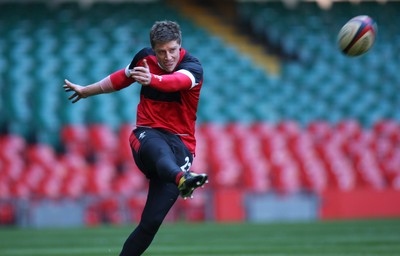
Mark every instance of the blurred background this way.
pixel 289 129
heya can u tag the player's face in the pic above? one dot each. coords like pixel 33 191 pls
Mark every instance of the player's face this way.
pixel 168 55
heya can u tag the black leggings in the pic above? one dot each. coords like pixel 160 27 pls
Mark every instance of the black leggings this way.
pixel 160 155
pixel 160 199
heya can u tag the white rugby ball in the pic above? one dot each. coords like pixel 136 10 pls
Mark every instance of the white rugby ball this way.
pixel 357 36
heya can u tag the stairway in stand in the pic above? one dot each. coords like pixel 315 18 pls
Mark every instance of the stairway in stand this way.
pixel 217 26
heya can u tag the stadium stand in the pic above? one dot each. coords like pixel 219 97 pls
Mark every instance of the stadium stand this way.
pixel 326 122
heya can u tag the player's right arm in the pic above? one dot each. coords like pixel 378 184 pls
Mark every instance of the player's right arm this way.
pixel 113 82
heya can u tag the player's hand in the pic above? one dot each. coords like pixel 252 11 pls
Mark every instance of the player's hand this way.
pixel 141 74
pixel 77 89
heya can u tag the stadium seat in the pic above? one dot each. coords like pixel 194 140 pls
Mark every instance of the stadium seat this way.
pixel 135 206
pixel 226 169
pixel 100 175
pixel 92 215
pixel 7 213
pixel 257 176
pixel 367 166
pixel 123 134
pixel 129 180
pixel 102 141
pixel 194 210
pixel 74 138
pixel 319 130
pixel 312 172
pixel 110 210
pixel 389 129
pixel 200 161
pixel 340 169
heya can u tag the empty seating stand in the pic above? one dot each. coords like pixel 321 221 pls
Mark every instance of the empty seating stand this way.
pixel 326 122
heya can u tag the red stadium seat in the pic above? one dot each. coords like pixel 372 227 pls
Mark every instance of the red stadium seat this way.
pixel 75 138
pixel 225 168
pixel 194 210
pixel 313 174
pixel 320 131
pixel 7 213
pixel 391 168
pixel 257 176
pixel 5 186
pixel 396 182
pixel 32 177
pixel 12 164
pixel 263 130
pixel 76 174
pixel 341 172
pixel 50 188
pixel 200 161
pixel 100 177
pixel 110 209
pixel 42 154
pixel 103 141
pixel 93 215
pixel 389 129
pixel 135 206
pixel 227 173
pixel 350 129
pixel 249 151
pixel 130 180
pixel 369 170
pixel 124 149
pixel 11 143
pixel 20 190
pixel 73 186
pixel 289 129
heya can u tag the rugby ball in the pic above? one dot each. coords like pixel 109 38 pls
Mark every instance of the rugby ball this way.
pixel 357 36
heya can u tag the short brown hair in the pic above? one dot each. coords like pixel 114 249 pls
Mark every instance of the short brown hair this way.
pixel 165 31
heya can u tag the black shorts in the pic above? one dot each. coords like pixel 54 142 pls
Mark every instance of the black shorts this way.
pixel 149 145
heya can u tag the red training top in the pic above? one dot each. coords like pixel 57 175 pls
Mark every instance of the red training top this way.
pixel 170 101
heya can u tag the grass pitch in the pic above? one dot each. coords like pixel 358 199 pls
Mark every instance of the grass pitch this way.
pixel 341 238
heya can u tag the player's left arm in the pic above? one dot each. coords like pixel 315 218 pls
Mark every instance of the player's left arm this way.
pixel 177 81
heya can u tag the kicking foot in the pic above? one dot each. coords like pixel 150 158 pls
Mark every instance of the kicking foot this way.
pixel 189 182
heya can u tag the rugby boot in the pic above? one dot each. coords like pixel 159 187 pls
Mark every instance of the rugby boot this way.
pixel 189 182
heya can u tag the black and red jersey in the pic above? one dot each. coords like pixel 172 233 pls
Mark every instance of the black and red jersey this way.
pixel 168 104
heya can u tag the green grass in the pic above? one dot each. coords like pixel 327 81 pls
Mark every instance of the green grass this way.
pixel 342 238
